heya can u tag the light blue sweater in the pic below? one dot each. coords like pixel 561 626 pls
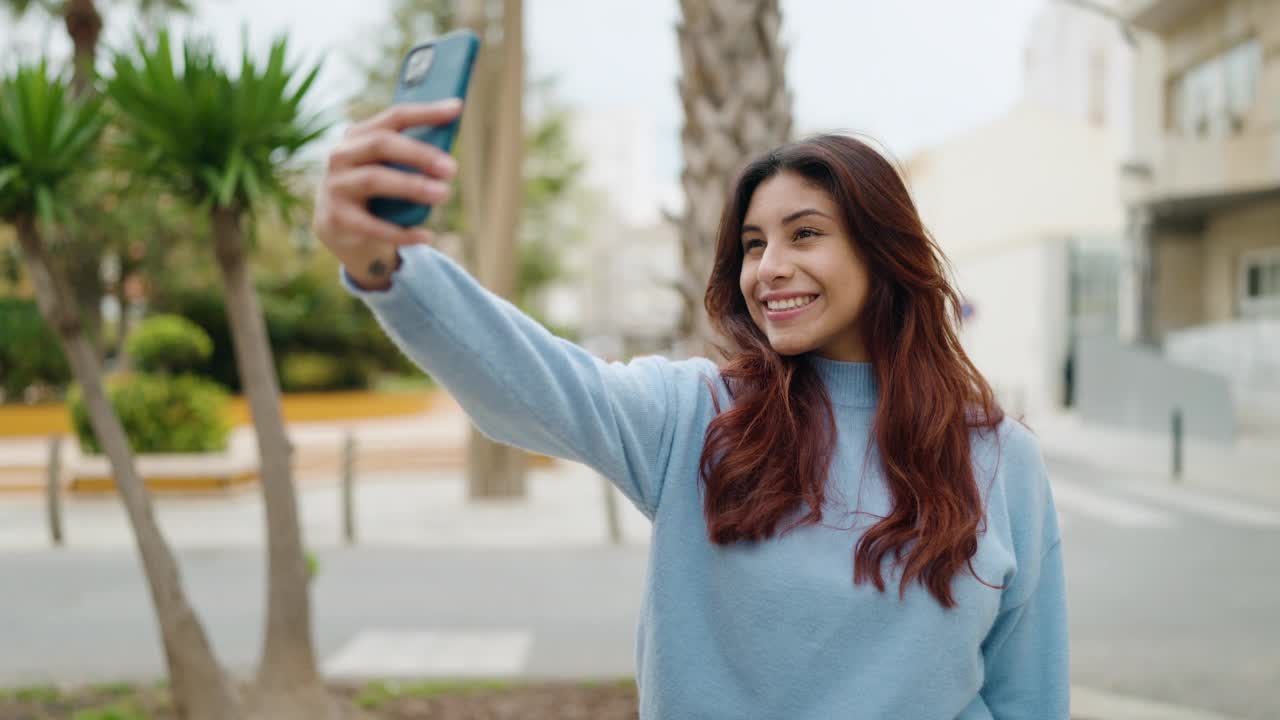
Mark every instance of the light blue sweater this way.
pixel 774 629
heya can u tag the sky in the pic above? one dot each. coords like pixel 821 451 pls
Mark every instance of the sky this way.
pixel 908 72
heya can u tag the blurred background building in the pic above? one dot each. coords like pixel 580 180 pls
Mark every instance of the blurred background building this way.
pixel 1205 192
pixel 620 295
pixel 1116 233
pixel 1029 210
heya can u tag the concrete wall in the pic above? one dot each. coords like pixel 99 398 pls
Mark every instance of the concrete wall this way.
pixel 1229 235
pixel 1017 334
pixel 1180 293
pixel 1247 354
pixel 1078 63
pixel 1130 387
pixel 1030 174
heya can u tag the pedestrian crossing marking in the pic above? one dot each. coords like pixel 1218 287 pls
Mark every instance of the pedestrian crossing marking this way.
pixel 386 654
pixel 1219 508
pixel 1145 505
pixel 1075 498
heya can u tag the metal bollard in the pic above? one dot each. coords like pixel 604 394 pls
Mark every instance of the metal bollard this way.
pixel 611 512
pixel 348 488
pixel 53 489
pixel 1177 443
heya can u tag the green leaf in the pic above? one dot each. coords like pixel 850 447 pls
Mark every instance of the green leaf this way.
pixel 47 138
pixel 227 188
pixel 8 175
pixel 45 206
pixel 198 126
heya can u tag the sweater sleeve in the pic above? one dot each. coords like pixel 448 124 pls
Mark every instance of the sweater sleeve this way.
pixel 525 387
pixel 1027 670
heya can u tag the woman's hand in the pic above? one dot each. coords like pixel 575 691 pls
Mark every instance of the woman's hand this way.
pixel 365 244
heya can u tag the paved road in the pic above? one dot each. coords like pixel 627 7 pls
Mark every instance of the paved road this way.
pixel 1174 597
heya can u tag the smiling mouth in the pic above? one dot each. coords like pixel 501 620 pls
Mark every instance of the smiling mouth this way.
pixel 784 309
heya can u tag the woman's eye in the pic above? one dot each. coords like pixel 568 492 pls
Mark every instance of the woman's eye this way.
pixel 805 232
pixel 750 245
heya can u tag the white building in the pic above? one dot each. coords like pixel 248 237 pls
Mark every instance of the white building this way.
pixel 620 296
pixel 1029 209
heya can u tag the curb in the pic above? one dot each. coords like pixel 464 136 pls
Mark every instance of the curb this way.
pixel 1090 704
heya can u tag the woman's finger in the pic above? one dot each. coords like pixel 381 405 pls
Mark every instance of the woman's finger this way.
pixel 361 183
pixel 407 115
pixel 354 221
pixel 387 146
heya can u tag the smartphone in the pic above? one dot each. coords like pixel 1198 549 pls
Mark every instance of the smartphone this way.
pixel 435 70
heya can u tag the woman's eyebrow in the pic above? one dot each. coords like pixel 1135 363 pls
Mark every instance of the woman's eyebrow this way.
pixel 790 218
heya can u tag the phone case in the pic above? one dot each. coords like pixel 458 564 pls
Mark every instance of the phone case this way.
pixel 447 76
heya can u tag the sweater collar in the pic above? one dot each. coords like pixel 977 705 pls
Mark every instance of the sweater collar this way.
pixel 848 383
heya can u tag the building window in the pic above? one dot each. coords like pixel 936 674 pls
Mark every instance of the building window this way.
pixel 1097 88
pixel 1260 283
pixel 1212 98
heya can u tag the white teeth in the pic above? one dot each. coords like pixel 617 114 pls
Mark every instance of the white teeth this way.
pixel 790 303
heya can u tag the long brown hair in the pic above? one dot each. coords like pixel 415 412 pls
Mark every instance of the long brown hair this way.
pixel 772 449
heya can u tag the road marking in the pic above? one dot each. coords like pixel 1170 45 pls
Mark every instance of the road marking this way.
pixel 1090 703
pixel 409 654
pixel 1214 506
pixel 1079 499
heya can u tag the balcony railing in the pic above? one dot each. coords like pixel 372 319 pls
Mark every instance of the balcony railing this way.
pixel 1190 167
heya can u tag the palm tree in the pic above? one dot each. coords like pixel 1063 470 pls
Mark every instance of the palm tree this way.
pixel 218 140
pixel 84 26
pixel 82 264
pixel 733 87
pixel 492 140
pixel 46 139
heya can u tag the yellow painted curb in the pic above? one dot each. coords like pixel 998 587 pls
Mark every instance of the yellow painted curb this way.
pixel 169 483
pixel 54 419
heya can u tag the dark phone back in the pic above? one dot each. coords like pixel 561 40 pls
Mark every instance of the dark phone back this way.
pixel 447 75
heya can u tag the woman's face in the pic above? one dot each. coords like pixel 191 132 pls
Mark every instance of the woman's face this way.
pixel 803 282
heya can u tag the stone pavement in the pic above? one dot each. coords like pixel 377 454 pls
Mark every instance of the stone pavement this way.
pixel 1249 469
pixel 429 508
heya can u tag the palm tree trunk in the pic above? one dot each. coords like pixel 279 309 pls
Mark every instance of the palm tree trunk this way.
pixel 493 144
pixel 736 105
pixel 200 687
pixel 84 26
pixel 288 683
pixel 125 325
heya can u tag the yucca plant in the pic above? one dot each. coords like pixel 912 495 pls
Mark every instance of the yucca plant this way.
pixel 221 140
pixel 93 242
pixel 47 143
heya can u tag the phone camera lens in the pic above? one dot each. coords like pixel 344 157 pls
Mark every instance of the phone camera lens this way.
pixel 415 68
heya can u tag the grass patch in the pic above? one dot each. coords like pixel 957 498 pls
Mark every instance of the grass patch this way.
pixel 117 711
pixel 380 692
pixel 114 690
pixel 40 694
pixel 620 682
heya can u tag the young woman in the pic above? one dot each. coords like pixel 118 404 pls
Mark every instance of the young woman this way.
pixel 845 524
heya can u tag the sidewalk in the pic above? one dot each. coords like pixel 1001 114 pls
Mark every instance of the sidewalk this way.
pixel 565 508
pixel 1250 469
pixel 429 441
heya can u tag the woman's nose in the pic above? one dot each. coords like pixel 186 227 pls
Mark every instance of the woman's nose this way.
pixel 775 263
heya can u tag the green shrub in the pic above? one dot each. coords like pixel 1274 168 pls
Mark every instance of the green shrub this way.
pixel 304 315
pixel 311 372
pixel 161 413
pixel 169 344
pixel 30 353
